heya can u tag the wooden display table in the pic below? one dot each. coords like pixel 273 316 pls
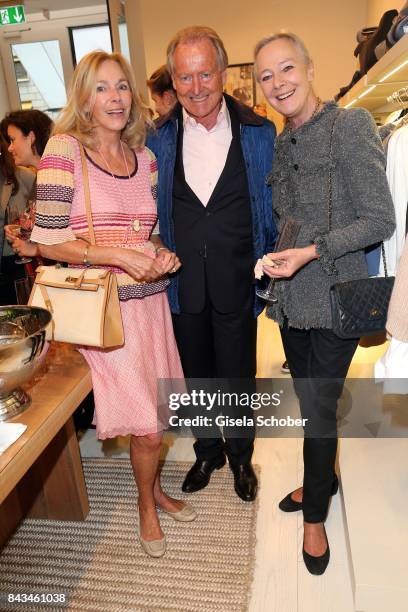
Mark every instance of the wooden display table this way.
pixel 41 473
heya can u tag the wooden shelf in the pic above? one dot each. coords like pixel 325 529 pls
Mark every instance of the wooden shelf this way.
pixel 378 84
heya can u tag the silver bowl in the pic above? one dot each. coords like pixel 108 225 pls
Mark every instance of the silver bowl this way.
pixel 22 351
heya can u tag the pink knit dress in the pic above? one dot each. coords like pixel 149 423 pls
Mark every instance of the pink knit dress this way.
pixel 125 379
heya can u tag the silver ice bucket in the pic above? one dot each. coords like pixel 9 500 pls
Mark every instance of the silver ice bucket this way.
pixel 22 351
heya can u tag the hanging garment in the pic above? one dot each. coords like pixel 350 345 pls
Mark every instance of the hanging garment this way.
pixel 397 174
pixel 392 368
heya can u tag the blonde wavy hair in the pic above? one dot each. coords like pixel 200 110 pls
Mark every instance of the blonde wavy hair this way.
pixel 76 117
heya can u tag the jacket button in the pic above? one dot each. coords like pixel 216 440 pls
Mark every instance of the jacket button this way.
pixel 296 167
pixel 293 140
pixel 208 214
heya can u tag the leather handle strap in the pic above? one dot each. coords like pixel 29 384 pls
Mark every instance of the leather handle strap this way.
pixel 87 195
pixel 49 307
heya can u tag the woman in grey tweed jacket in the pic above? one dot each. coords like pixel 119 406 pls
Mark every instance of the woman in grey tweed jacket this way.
pixel 362 214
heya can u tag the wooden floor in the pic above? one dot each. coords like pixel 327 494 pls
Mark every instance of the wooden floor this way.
pixel 281 582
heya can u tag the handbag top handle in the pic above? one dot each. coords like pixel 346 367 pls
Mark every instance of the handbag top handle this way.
pixel 330 191
pixel 87 195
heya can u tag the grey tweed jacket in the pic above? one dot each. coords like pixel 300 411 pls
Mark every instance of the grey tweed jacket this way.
pixel 362 208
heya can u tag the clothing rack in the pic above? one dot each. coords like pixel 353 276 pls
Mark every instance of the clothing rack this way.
pixel 400 96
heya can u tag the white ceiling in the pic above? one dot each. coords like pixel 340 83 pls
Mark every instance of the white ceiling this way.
pixel 36 6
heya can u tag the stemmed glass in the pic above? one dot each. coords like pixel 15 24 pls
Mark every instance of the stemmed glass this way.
pixel 21 225
pixel 286 240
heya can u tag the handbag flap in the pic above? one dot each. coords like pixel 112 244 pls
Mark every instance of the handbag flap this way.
pixel 72 278
pixel 364 299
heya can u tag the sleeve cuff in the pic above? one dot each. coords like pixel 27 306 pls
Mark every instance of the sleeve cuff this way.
pixel 51 237
pixel 325 258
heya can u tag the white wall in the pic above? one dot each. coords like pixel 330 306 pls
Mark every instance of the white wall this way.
pixel 377 8
pixel 328 29
pixel 4 99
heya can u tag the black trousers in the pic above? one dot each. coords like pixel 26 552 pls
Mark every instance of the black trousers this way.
pixel 318 362
pixel 220 345
pixel 10 272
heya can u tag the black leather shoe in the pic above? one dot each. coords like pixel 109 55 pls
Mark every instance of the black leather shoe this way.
pixel 317 565
pixel 199 474
pixel 290 505
pixel 245 481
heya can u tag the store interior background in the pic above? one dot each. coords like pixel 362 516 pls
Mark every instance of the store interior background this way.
pixel 328 28
pixel 329 31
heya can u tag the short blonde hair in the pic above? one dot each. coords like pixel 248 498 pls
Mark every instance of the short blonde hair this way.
pixel 293 38
pixel 192 34
pixel 76 117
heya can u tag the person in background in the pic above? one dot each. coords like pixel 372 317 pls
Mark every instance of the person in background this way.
pixel 322 150
pixel 16 185
pixel 215 211
pixel 27 132
pixel 162 91
pixel 105 116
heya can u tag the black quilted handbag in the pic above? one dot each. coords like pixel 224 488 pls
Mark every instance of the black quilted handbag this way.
pixel 358 307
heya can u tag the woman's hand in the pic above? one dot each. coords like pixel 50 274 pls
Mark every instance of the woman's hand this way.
pixel 21 247
pixel 286 263
pixel 11 232
pixel 168 260
pixel 139 266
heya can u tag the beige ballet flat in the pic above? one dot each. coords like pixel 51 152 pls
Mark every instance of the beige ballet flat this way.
pixel 154 548
pixel 185 515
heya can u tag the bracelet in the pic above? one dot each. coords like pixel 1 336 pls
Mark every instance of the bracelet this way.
pixel 163 248
pixel 85 259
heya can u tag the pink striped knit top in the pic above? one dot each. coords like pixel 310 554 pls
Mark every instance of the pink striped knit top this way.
pixel 123 208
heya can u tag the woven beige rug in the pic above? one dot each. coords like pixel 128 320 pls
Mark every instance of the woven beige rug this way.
pixel 99 565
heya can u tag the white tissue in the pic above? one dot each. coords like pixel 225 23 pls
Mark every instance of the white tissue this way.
pixel 9 433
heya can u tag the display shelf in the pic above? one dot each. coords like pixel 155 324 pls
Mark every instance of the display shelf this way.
pixel 374 476
pixel 386 76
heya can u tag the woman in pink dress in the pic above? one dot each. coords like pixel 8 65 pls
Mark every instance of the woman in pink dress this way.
pixel 105 114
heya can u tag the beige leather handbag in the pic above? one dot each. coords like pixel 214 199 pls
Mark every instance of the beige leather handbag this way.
pixel 84 302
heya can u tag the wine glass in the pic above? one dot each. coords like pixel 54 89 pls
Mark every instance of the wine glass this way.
pixel 21 225
pixel 286 240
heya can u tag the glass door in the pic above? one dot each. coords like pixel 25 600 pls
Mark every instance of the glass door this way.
pixel 39 76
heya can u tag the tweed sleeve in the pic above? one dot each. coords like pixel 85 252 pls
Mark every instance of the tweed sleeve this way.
pixel 153 184
pixel 360 182
pixel 55 192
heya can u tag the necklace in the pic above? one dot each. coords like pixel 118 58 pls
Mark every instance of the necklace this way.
pixel 107 164
pixel 135 225
pixel 312 116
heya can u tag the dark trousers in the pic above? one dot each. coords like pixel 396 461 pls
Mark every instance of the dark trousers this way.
pixel 10 272
pixel 315 356
pixel 220 345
